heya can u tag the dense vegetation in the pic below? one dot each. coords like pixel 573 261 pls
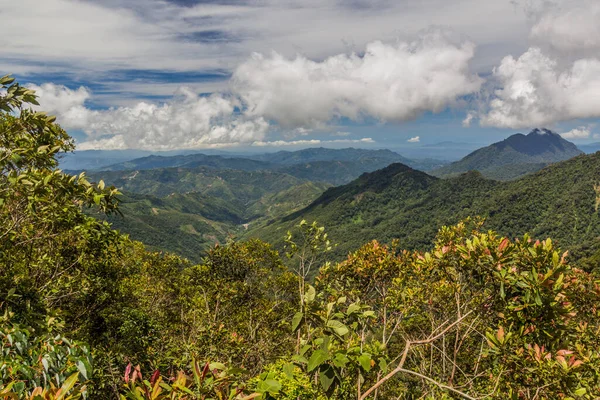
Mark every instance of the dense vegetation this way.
pixel 89 313
pixel 187 203
pixel 560 201
pixel 515 156
pixel 186 211
pixel 335 166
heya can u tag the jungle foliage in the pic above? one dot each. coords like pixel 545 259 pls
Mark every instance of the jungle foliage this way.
pixel 88 313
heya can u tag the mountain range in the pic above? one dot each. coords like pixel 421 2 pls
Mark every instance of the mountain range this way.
pixel 560 201
pixel 186 203
pixel 515 156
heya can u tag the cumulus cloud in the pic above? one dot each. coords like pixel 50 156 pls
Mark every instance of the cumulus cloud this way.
pixel 415 139
pixel 536 91
pixel 186 121
pixel 582 132
pixel 64 102
pixel 390 82
pixel 556 79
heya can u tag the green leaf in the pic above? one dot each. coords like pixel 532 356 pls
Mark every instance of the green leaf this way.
pixel 296 320
pixel 310 294
pixel 217 366
pixel 67 386
pixel 317 358
pixel 288 370
pixel 383 365
pixel 326 377
pixel 270 386
pixel 84 368
pixel 338 327
pixel 352 308
pixel 340 360
pixel 365 361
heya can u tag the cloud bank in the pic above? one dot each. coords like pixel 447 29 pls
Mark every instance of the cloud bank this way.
pixel 186 121
pixel 557 80
pixel 582 132
pixel 571 28
pixel 536 91
pixel 389 82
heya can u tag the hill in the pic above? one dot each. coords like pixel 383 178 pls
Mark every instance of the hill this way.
pixel 190 161
pixel 361 160
pixel 515 156
pixel 399 202
pixel 188 210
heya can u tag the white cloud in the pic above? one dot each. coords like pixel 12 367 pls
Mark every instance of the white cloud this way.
pixel 583 132
pixel 570 27
pixel 536 91
pixel 78 36
pixel 186 121
pixel 311 142
pixel 415 139
pixel 468 119
pixel 390 83
pixel 556 80
pixel 64 102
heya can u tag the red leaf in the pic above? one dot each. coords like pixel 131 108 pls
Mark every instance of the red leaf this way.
pixel 127 372
pixel 154 377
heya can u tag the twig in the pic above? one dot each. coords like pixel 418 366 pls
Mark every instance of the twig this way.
pixel 400 366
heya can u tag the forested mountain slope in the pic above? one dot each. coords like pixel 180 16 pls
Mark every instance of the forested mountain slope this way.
pixel 561 201
pixel 86 313
pixel 355 160
pixel 515 156
pixel 188 210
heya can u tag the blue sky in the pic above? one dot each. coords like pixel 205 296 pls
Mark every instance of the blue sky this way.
pixel 162 75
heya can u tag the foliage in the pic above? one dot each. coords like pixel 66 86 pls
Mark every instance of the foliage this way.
pixel 188 211
pixel 50 365
pixel 475 315
pixel 400 203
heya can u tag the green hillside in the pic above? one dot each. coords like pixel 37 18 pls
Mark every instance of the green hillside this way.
pixel 400 203
pixel 515 156
pixel 87 313
pixel 186 211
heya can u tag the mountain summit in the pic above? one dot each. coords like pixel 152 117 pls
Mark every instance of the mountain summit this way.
pixel 515 156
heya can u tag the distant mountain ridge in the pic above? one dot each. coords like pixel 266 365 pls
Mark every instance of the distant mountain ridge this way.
pixel 515 156
pixel 398 202
pixel 353 159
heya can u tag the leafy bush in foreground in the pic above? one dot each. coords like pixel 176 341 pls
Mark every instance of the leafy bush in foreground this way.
pixel 477 316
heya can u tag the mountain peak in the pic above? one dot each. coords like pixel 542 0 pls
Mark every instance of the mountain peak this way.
pixel 516 155
pixel 542 131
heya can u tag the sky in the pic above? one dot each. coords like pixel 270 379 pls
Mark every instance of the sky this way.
pixel 234 74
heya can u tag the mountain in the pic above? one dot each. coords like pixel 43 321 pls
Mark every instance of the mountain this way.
pixel 186 210
pixel 560 201
pixel 190 161
pixel 515 156
pixel 352 161
pixel 324 154
pixel 446 150
pixel 89 160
